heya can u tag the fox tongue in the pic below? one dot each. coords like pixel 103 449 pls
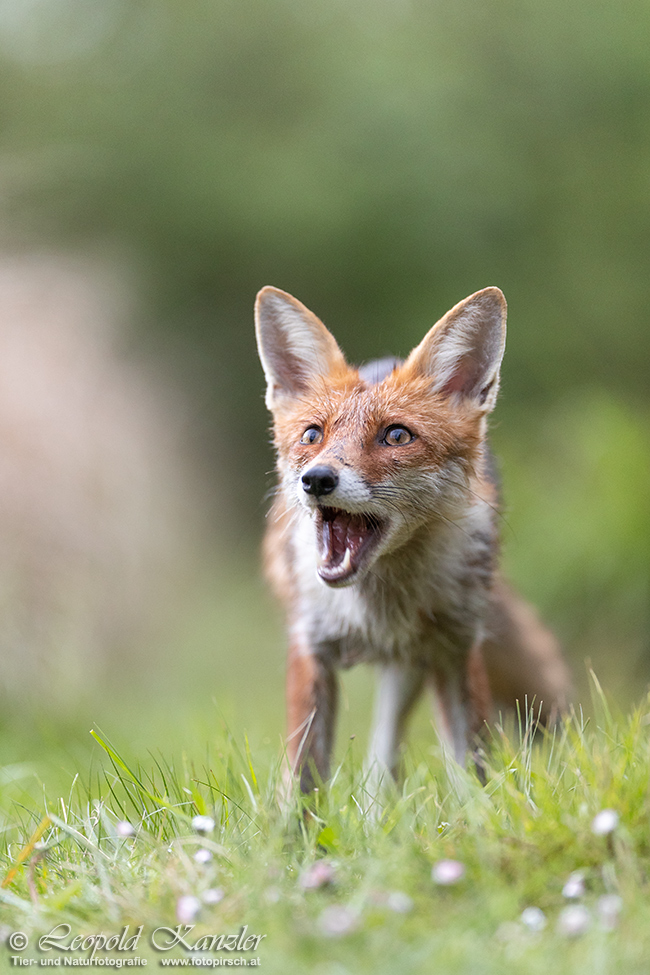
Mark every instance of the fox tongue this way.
pixel 344 541
pixel 341 538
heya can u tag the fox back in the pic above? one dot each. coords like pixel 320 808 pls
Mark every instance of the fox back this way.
pixel 383 537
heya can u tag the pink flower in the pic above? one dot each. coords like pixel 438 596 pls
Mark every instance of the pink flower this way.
pixel 203 824
pixel 533 918
pixel 187 908
pixel 337 920
pixel 574 921
pixel 399 902
pixel 575 885
pixel 318 875
pixel 214 895
pixel 446 872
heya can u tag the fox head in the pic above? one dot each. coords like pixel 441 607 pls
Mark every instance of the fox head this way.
pixel 371 455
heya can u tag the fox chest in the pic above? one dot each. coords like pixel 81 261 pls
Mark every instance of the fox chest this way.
pixel 348 627
pixel 431 613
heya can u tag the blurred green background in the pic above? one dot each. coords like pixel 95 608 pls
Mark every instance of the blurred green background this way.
pixel 380 161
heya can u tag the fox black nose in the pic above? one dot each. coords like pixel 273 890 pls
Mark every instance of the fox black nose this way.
pixel 319 481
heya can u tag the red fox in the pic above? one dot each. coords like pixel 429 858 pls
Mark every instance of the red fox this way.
pixel 382 541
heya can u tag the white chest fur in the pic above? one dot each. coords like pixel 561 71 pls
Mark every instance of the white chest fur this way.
pixel 397 604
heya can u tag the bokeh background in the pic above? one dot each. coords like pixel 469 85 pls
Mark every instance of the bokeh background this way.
pixel 162 160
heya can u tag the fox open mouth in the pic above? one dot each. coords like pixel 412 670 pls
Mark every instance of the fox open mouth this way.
pixel 344 541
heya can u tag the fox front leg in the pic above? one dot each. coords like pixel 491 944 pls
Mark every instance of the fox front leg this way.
pixel 398 688
pixel 312 695
pixel 462 696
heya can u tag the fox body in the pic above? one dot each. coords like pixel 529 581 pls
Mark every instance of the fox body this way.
pixel 383 538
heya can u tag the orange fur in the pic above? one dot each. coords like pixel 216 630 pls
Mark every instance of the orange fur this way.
pixel 382 541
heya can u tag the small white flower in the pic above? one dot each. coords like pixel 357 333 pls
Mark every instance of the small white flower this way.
pixel 202 856
pixel 337 920
pixel 318 875
pixel 203 824
pixel 533 918
pixel 399 902
pixel 447 872
pixel 609 908
pixel 575 885
pixel 187 908
pixel 214 895
pixel 604 822
pixel 124 829
pixel 574 921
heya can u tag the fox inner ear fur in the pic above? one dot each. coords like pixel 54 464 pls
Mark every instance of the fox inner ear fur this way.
pixel 462 353
pixel 294 345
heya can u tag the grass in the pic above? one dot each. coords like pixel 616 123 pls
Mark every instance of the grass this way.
pixel 371 903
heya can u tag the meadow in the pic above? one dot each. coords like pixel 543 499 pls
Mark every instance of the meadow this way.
pixel 159 163
pixel 547 865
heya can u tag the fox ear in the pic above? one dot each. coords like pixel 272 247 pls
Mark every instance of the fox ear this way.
pixel 463 351
pixel 294 345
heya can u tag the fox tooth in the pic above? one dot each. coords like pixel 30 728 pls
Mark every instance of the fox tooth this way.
pixel 346 564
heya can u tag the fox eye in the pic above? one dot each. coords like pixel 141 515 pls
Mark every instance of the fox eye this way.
pixel 397 436
pixel 312 435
